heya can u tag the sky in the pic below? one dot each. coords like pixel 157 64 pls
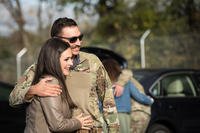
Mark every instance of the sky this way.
pixel 6 24
pixel 29 7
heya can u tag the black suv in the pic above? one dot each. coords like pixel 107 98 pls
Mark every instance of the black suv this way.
pixel 12 120
pixel 177 99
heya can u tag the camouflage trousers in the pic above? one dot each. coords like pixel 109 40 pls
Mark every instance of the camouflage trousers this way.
pixel 139 121
pixel 93 130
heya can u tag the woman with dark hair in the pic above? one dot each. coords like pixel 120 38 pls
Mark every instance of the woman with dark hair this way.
pixel 53 114
pixel 123 102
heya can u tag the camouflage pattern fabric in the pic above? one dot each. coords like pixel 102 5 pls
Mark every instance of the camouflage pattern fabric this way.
pixel 101 91
pixel 17 96
pixel 93 130
pixel 140 114
pixel 139 121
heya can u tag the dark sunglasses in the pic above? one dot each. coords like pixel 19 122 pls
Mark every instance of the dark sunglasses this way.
pixel 72 39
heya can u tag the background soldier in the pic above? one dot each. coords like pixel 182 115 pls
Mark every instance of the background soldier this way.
pixel 140 115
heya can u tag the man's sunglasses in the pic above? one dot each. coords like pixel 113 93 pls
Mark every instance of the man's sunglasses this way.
pixel 72 39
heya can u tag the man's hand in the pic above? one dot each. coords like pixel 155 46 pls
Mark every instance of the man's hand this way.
pixel 43 88
pixel 118 90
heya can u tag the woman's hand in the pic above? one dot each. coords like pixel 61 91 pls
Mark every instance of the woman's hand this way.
pixel 86 121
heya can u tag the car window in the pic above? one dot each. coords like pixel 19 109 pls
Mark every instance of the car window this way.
pixel 174 86
pixel 156 90
pixel 178 86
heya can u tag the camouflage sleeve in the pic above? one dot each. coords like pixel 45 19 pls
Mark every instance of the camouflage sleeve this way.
pixel 105 93
pixel 21 88
pixel 124 77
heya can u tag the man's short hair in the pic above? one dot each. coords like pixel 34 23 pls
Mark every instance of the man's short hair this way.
pixel 60 23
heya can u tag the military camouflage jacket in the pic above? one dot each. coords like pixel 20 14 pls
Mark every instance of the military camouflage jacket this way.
pixel 89 78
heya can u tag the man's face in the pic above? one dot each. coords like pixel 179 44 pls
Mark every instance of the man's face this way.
pixel 73 36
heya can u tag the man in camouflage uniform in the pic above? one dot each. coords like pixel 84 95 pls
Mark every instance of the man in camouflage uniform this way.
pixel 88 83
pixel 140 115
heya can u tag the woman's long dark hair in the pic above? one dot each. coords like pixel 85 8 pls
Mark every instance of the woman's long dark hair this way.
pixel 49 64
pixel 113 69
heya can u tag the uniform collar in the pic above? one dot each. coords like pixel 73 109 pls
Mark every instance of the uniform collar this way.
pixel 80 63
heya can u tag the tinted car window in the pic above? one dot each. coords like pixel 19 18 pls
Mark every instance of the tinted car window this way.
pixel 156 89
pixel 174 86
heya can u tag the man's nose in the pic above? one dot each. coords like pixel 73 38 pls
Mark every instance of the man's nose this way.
pixel 71 62
pixel 78 42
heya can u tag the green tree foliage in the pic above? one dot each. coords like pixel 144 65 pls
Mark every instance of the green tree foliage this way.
pixel 174 24
pixel 176 36
pixel 174 28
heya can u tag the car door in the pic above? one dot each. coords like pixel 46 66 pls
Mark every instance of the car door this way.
pixel 12 120
pixel 178 100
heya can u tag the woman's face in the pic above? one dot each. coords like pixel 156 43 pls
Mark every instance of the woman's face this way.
pixel 66 61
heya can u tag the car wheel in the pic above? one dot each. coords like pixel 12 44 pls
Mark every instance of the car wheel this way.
pixel 158 128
